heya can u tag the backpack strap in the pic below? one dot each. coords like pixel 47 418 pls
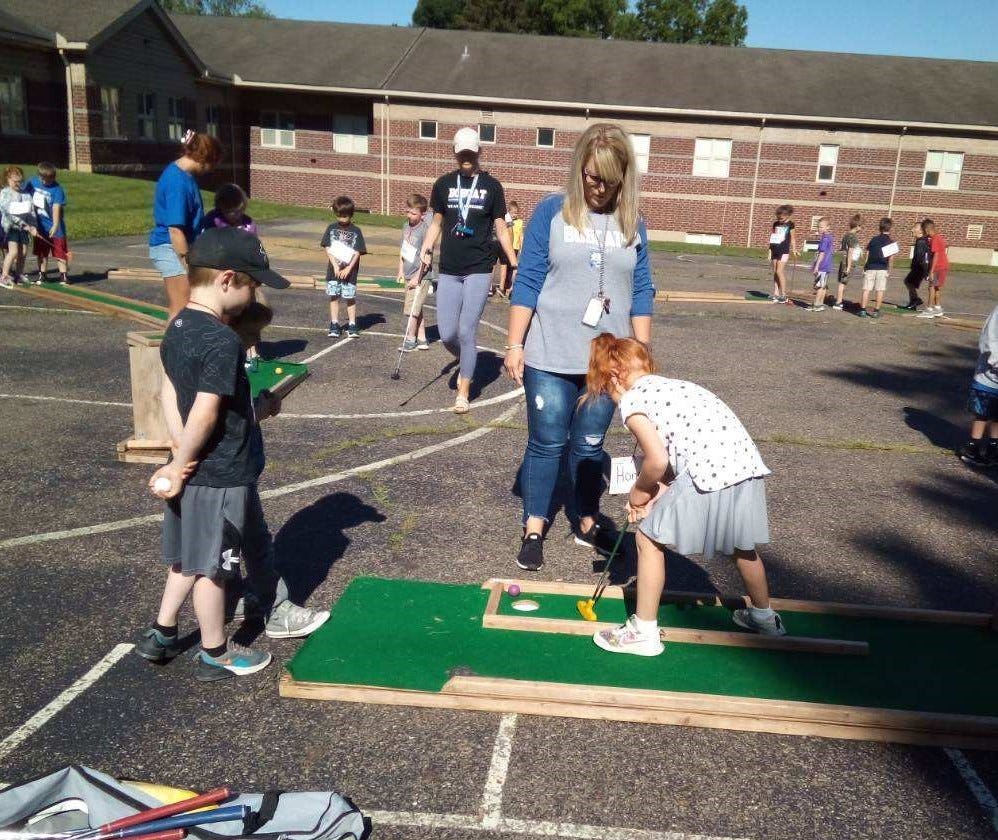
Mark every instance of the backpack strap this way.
pixel 268 807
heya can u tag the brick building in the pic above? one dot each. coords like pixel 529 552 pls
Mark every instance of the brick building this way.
pixel 310 110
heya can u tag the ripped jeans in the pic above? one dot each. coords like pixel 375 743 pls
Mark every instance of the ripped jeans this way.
pixel 555 419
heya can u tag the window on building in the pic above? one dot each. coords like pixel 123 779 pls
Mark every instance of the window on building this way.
pixel 703 239
pixel 146 110
pixel 110 111
pixel 942 170
pixel 814 223
pixel 545 138
pixel 350 134
pixel 712 158
pixel 828 160
pixel 427 130
pixel 642 150
pixel 213 120
pixel 487 132
pixel 975 231
pixel 277 129
pixel 13 112
pixel 180 113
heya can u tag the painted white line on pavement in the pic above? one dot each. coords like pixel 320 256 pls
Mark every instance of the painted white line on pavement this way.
pixel 535 828
pixel 51 309
pixel 985 798
pixel 123 524
pixel 422 412
pixel 63 400
pixel 498 768
pixel 496 327
pixel 45 714
pixel 328 349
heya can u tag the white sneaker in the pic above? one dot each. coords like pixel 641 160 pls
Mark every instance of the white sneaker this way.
pixel 837 307
pixel 928 312
pixel 769 627
pixel 289 621
pixel 628 639
pixel 937 311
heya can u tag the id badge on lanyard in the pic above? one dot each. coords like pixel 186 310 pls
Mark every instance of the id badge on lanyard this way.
pixel 598 303
pixel 462 228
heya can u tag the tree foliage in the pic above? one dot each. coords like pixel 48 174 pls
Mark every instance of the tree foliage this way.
pixel 722 22
pixel 223 8
pixel 437 14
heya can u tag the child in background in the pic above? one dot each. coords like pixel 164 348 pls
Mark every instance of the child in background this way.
pixel 50 206
pixel 516 235
pixel 878 268
pixel 782 243
pixel 822 266
pixel 344 245
pixel 919 269
pixel 14 227
pixel 983 402
pixel 938 269
pixel 850 253
pixel 716 501
pixel 230 210
pixel 411 273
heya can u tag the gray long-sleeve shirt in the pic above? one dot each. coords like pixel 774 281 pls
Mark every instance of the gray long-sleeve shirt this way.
pixel 986 373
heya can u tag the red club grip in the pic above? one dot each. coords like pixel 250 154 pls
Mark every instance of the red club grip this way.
pixel 172 834
pixel 212 797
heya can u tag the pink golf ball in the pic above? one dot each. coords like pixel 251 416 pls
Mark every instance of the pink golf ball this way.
pixel 513 590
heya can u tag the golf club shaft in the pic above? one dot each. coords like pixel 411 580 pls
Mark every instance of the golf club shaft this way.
pixel 224 814
pixel 212 797
pixel 408 323
pixel 605 577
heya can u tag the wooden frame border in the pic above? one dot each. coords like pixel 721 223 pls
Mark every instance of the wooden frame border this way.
pixel 488 694
pixel 972 619
pixel 100 307
pixel 732 638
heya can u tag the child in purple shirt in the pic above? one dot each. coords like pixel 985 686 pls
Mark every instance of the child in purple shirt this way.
pixel 230 210
pixel 822 265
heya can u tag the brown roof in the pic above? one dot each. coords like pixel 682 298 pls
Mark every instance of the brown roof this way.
pixel 75 20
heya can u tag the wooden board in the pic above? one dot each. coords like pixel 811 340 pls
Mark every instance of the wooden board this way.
pixel 782 717
pixel 129 453
pixel 100 307
pixel 972 619
pixel 733 638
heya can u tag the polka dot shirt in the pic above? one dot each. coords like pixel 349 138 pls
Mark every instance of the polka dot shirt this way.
pixel 700 433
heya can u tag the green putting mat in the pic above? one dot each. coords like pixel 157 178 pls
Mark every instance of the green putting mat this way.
pixel 266 375
pixel 85 293
pixel 404 634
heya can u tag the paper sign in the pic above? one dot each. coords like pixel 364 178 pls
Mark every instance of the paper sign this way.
pixel 39 201
pixel 408 252
pixel 777 238
pixel 889 250
pixel 20 208
pixel 856 253
pixel 340 252
pixel 623 474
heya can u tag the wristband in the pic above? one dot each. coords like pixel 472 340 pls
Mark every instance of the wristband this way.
pixel 514 347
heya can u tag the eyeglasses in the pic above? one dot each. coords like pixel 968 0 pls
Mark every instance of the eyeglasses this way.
pixel 596 181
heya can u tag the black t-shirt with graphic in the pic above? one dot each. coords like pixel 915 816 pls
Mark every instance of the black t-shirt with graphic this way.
pixel 474 254
pixel 200 353
pixel 351 236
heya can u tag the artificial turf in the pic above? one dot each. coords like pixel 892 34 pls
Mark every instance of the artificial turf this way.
pixel 414 635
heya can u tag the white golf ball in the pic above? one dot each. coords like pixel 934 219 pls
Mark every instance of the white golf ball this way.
pixel 161 484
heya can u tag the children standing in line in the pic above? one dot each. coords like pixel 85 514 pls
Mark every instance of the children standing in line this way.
pixel 715 503
pixel 879 261
pixel 850 252
pixel 822 266
pixel 938 269
pixel 417 285
pixel 230 210
pixel 919 269
pixel 983 402
pixel 16 213
pixel 50 205
pixel 782 243
pixel 344 246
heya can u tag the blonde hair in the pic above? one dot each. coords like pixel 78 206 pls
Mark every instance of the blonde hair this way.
pixel 610 148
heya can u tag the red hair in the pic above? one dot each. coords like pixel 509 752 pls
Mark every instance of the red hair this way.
pixel 612 357
pixel 202 148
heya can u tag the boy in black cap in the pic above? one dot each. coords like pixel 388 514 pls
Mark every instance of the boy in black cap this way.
pixel 213 517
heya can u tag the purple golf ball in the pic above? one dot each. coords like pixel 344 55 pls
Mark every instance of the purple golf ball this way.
pixel 513 590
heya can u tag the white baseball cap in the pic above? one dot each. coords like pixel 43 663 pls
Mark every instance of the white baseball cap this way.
pixel 466 140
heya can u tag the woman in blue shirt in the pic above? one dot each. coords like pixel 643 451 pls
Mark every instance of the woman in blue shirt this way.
pixel 178 214
pixel 583 271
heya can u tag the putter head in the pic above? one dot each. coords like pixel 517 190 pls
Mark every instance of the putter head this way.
pixel 587 609
pixel 396 375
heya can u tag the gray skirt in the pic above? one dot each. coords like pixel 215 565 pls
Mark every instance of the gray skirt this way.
pixel 693 522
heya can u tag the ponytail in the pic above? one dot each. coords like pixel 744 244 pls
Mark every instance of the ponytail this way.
pixel 202 148
pixel 609 358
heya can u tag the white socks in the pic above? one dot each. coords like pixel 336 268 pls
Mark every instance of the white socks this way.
pixel 646 628
pixel 762 615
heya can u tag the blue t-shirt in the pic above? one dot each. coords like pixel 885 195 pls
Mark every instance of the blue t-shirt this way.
pixel 45 197
pixel 177 203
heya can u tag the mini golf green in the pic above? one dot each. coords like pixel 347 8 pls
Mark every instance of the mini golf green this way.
pixel 415 635
pixel 266 376
pixel 150 309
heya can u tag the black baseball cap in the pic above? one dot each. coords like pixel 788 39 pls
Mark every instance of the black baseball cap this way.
pixel 236 250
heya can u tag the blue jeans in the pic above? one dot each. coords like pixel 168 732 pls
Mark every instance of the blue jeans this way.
pixel 555 419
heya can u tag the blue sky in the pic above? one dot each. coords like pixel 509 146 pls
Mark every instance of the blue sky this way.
pixel 930 28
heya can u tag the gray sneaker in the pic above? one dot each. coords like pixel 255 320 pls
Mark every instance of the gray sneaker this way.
pixel 289 621
pixel 237 661
pixel 408 345
pixel 770 627
pixel 422 344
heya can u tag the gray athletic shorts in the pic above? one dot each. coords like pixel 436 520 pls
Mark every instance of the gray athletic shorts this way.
pixel 201 524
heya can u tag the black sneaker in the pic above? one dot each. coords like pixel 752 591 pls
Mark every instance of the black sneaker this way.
pixel 598 537
pixel 875 313
pixel 531 554
pixel 970 454
pixel 334 330
pixel 156 647
pixel 353 330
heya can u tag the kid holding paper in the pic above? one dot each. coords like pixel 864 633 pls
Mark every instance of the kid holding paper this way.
pixel 344 245
pixel 822 266
pixel 879 260
pixel 16 215
pixel 850 252
pixel 50 206
pixel 782 243
pixel 715 498
pixel 411 274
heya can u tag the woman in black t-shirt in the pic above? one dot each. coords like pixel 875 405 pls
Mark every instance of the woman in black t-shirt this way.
pixel 467 204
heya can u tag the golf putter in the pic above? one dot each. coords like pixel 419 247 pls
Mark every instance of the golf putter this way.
pixel 587 607
pixel 396 374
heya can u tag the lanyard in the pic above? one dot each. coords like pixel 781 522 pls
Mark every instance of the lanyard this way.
pixel 601 244
pixel 464 207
